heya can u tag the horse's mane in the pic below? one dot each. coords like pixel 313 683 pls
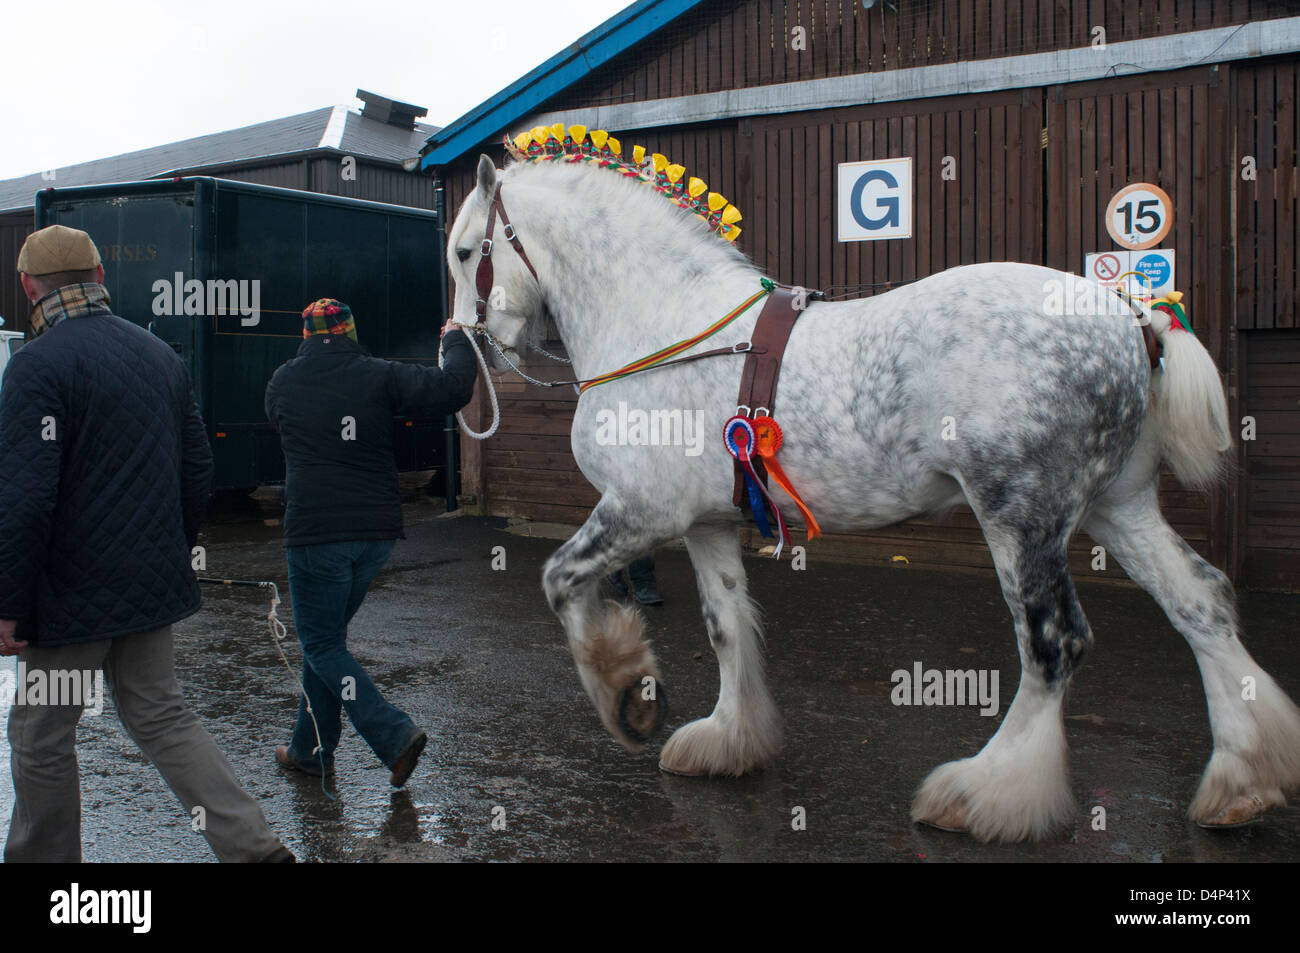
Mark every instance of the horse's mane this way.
pixel 575 145
pixel 606 181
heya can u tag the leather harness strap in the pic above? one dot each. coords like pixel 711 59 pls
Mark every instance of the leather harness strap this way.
pixel 1154 350
pixel 763 364
pixel 485 275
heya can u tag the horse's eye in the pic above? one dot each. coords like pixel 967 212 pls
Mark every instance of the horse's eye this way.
pixel 463 254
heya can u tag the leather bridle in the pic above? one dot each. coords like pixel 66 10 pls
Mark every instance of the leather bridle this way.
pixel 484 276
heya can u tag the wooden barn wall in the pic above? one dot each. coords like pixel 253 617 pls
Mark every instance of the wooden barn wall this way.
pixel 779 171
pixel 990 211
pixel 1270 464
pixel 735 45
pixel 1268 227
pixel 1168 129
pixel 1044 163
pixel 284 175
pixel 14 306
pixel 1267 236
pixel 373 182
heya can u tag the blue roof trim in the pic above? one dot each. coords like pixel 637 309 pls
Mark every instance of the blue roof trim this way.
pixel 612 38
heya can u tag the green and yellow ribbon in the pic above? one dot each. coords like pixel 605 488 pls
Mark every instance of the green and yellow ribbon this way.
pixel 672 350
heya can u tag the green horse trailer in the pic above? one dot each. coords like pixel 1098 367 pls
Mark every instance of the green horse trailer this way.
pixel 221 271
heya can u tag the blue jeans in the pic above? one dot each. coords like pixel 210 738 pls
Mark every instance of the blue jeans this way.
pixel 328 582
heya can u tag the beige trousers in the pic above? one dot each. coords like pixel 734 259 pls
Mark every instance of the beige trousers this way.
pixel 139 672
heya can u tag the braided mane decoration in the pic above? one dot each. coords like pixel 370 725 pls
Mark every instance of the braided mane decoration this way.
pixel 575 144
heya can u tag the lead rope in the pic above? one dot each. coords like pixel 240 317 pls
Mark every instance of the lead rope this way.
pixel 278 632
pixel 473 330
pixel 644 364
pixel 470 331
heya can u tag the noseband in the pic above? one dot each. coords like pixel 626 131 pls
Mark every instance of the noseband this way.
pixel 484 277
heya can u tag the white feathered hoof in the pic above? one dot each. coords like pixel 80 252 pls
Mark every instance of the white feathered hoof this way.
pixel 950 817
pixel 1242 810
pixel 723 746
pixel 1255 763
pixel 1008 802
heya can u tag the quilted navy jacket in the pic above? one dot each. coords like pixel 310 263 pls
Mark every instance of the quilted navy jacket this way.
pixel 104 474
pixel 334 405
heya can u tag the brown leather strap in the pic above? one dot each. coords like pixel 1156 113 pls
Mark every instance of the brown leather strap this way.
pixel 1154 350
pixel 485 275
pixel 508 233
pixel 763 364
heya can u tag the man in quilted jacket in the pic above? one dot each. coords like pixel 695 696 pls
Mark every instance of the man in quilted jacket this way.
pixel 104 474
pixel 334 405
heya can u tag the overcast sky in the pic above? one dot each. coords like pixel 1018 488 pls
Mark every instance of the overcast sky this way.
pixel 85 80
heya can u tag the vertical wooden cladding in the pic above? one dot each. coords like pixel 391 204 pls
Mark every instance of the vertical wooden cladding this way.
pixel 14 306
pixel 372 182
pixel 1271 462
pixel 1016 196
pixel 978 192
pixel 325 174
pixel 1268 222
pixel 1153 128
pixel 744 43
pixel 284 175
pixel 1157 128
pixel 977 188
pixel 1264 170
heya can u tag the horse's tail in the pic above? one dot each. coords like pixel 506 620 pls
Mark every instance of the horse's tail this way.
pixel 1188 408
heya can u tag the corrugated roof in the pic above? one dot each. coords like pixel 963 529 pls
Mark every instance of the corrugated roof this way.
pixel 522 97
pixel 305 131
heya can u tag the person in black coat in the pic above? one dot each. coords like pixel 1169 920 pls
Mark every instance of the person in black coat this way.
pixel 104 474
pixel 334 406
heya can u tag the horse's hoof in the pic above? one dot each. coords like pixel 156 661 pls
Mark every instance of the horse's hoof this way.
pixel 640 717
pixel 952 820
pixel 1242 811
pixel 681 774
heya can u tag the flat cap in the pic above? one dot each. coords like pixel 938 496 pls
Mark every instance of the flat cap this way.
pixel 57 248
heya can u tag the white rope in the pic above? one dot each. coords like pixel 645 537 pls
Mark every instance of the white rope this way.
pixel 470 330
pixel 278 632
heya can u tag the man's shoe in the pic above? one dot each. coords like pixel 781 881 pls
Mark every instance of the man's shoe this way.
pixel 405 764
pixel 312 768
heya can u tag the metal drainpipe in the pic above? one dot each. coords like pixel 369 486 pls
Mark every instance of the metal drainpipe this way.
pixel 451 478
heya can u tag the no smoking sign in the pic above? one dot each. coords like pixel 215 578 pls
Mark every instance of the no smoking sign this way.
pixel 1106 268
pixel 1155 268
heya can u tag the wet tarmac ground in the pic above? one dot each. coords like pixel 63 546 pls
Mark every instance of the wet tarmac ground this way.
pixel 519 768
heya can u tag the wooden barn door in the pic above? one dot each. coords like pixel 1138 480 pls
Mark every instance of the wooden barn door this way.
pixel 988 207
pixel 1267 280
pixel 1169 129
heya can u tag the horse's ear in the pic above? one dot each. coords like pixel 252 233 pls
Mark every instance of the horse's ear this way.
pixel 487 178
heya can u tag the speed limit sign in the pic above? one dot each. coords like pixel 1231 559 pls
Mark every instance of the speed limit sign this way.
pixel 1139 216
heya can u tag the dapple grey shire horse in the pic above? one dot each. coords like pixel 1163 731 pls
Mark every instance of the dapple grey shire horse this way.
pixel 1055 424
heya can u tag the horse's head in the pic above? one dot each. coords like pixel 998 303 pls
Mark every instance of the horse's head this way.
pixel 495 284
